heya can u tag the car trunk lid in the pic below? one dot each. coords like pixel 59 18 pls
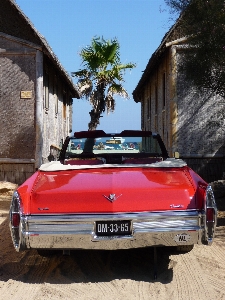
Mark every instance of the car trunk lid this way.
pixel 112 190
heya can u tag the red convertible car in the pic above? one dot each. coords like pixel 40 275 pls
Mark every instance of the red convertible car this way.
pixel 113 191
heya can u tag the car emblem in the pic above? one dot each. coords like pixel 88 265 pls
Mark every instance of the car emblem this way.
pixel 182 238
pixel 43 208
pixel 176 206
pixel 112 197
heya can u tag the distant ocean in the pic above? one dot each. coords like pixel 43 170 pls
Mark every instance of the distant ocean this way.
pixel 126 143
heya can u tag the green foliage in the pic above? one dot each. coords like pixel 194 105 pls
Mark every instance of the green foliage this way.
pixel 203 22
pixel 102 77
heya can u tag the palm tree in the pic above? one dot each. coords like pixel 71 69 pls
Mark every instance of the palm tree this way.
pixel 102 77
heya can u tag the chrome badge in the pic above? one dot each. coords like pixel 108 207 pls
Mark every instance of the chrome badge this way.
pixel 176 206
pixel 43 208
pixel 182 238
pixel 112 197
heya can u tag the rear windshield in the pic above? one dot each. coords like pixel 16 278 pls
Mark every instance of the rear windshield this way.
pixel 117 145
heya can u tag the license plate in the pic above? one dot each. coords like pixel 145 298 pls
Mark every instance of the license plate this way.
pixel 104 228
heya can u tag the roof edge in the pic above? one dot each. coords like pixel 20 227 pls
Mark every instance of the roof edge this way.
pixel 48 51
pixel 152 61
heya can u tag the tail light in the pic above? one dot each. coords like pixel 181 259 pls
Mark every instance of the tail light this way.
pixel 15 219
pixel 210 214
pixel 15 210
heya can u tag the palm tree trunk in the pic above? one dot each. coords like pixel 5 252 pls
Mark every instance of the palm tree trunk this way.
pixel 95 116
pixel 98 107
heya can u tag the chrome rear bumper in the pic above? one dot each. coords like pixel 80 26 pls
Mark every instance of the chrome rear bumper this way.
pixel 77 231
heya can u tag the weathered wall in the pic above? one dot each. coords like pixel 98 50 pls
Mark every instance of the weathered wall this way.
pixel 17 171
pixel 189 122
pixel 158 101
pixel 58 113
pixel 17 128
pixel 210 169
pixel 18 118
pixel 17 115
pixel 28 127
pixel 201 121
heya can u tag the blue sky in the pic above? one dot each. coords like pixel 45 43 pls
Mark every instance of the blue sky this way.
pixel 69 25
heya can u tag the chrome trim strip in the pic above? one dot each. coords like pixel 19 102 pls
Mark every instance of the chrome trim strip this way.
pixel 114 216
pixel 77 231
pixel 96 238
pixel 210 226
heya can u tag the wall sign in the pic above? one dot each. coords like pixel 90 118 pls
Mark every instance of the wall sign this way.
pixel 25 94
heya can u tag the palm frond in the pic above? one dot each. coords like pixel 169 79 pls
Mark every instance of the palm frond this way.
pixel 81 73
pixel 110 52
pixel 117 89
pixel 110 103
pixel 126 66
pixel 85 87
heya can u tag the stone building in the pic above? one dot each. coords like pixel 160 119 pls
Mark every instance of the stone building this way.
pixel 190 122
pixel 36 96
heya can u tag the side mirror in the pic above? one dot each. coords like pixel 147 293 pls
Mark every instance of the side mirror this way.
pixel 176 155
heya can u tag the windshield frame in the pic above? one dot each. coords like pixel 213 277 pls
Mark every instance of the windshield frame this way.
pixel 101 134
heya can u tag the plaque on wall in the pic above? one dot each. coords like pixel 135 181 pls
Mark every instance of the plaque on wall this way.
pixel 25 94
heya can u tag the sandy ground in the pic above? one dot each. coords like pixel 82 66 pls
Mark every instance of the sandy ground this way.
pixel 125 274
